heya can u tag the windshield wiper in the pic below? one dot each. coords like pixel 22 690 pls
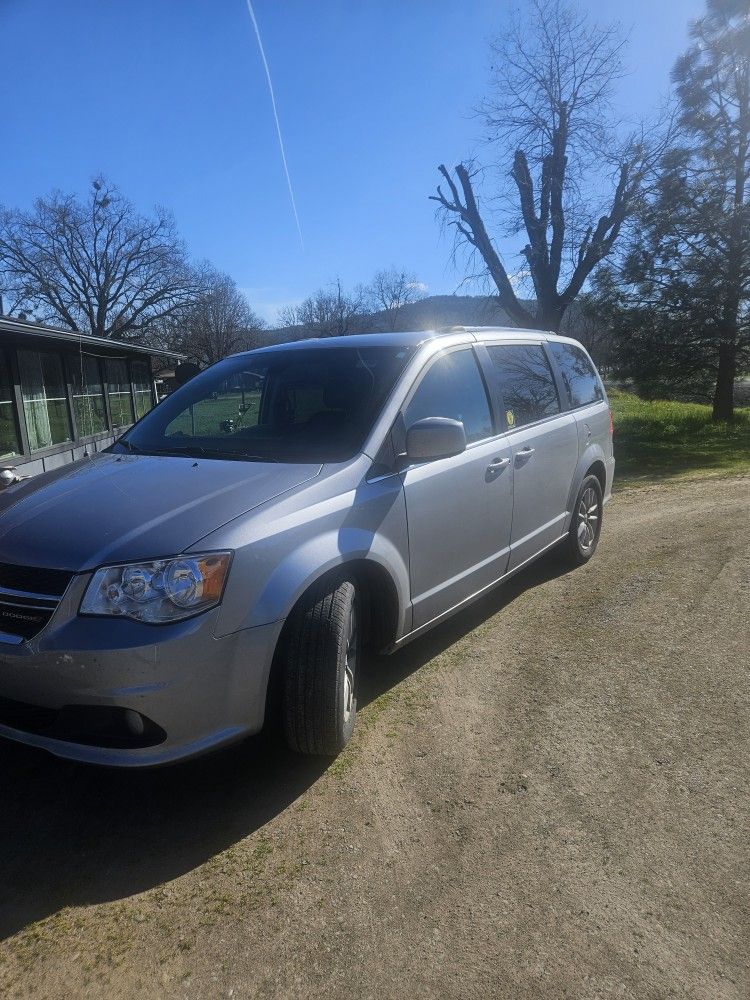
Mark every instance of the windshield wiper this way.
pixel 200 450
pixel 130 446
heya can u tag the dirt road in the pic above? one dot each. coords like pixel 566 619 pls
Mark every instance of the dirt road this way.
pixel 547 797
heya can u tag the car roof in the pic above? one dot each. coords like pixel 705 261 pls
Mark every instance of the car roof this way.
pixel 407 338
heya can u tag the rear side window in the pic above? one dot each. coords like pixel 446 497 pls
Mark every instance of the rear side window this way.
pixel 578 374
pixel 453 387
pixel 525 382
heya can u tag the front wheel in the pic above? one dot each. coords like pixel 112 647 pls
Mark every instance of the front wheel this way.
pixel 321 658
pixel 586 524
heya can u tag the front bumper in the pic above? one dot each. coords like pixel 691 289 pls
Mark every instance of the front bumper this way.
pixel 202 691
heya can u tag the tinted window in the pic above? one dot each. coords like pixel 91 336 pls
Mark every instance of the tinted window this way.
pixel 453 387
pixel 118 390
pixel 578 374
pixel 299 405
pixel 45 398
pixel 142 388
pixel 9 444
pixel 231 407
pixel 525 381
pixel 88 396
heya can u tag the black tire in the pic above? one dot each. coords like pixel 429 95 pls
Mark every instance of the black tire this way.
pixel 586 523
pixel 321 656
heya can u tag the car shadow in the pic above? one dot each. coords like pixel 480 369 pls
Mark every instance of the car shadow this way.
pixel 76 835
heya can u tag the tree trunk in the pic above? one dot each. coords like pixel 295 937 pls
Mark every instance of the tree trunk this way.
pixel 549 317
pixel 723 403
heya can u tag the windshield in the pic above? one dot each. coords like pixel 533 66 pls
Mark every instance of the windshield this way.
pixel 301 405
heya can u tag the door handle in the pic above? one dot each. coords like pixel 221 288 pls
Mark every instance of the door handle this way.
pixel 524 455
pixel 494 469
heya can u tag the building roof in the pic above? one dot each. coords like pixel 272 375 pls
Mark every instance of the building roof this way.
pixel 23 328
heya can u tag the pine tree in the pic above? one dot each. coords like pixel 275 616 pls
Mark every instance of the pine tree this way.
pixel 689 274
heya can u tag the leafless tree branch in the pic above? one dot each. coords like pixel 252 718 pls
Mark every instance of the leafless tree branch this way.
pixel 95 266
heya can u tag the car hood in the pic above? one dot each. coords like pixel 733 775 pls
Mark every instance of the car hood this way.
pixel 117 508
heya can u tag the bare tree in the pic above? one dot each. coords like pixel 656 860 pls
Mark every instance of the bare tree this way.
pixel 585 322
pixel 219 322
pixel 329 312
pixel 390 290
pixel 11 303
pixel 96 266
pixel 550 109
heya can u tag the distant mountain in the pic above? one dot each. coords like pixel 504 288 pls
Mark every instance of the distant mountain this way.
pixel 432 312
pixel 451 310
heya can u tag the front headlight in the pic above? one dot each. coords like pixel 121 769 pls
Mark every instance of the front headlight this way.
pixel 164 590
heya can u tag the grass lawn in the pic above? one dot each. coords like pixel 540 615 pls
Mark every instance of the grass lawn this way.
pixel 663 438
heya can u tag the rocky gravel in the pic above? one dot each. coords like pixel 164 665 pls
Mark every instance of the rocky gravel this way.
pixel 546 797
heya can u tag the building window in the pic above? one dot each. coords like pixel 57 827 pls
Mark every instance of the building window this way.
pixel 45 398
pixel 9 444
pixel 142 388
pixel 88 396
pixel 120 396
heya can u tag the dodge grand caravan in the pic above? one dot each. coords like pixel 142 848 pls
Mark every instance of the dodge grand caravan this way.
pixel 271 516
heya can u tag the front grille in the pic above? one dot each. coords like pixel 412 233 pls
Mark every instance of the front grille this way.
pixel 34 579
pixel 28 598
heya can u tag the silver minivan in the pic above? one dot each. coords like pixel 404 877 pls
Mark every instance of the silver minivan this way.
pixel 281 510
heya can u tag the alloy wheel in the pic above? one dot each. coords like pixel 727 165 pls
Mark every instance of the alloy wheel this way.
pixel 588 519
pixel 350 663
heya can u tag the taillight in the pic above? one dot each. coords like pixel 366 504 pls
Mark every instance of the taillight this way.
pixel 611 425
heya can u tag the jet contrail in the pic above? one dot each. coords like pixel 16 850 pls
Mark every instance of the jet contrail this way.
pixel 276 117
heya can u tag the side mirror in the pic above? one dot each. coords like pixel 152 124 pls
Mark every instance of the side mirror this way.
pixel 435 437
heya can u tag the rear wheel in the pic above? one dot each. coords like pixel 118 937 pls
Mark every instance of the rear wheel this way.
pixel 586 524
pixel 321 658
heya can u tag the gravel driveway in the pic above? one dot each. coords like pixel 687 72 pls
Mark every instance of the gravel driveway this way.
pixel 547 797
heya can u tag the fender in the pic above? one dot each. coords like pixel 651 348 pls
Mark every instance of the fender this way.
pixel 282 550
pixel 592 453
pixel 301 568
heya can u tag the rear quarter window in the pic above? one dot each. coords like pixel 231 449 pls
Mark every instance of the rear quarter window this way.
pixel 578 374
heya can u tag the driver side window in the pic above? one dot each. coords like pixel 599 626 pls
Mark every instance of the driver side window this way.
pixel 453 387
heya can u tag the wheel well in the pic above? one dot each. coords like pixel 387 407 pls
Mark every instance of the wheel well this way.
pixel 379 601
pixel 380 620
pixel 598 470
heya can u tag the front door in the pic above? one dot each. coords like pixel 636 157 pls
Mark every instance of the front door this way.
pixel 544 442
pixel 458 509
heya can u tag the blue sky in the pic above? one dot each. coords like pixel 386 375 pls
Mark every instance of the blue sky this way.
pixel 168 98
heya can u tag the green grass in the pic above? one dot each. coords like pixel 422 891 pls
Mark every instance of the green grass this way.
pixel 665 438
pixel 207 415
